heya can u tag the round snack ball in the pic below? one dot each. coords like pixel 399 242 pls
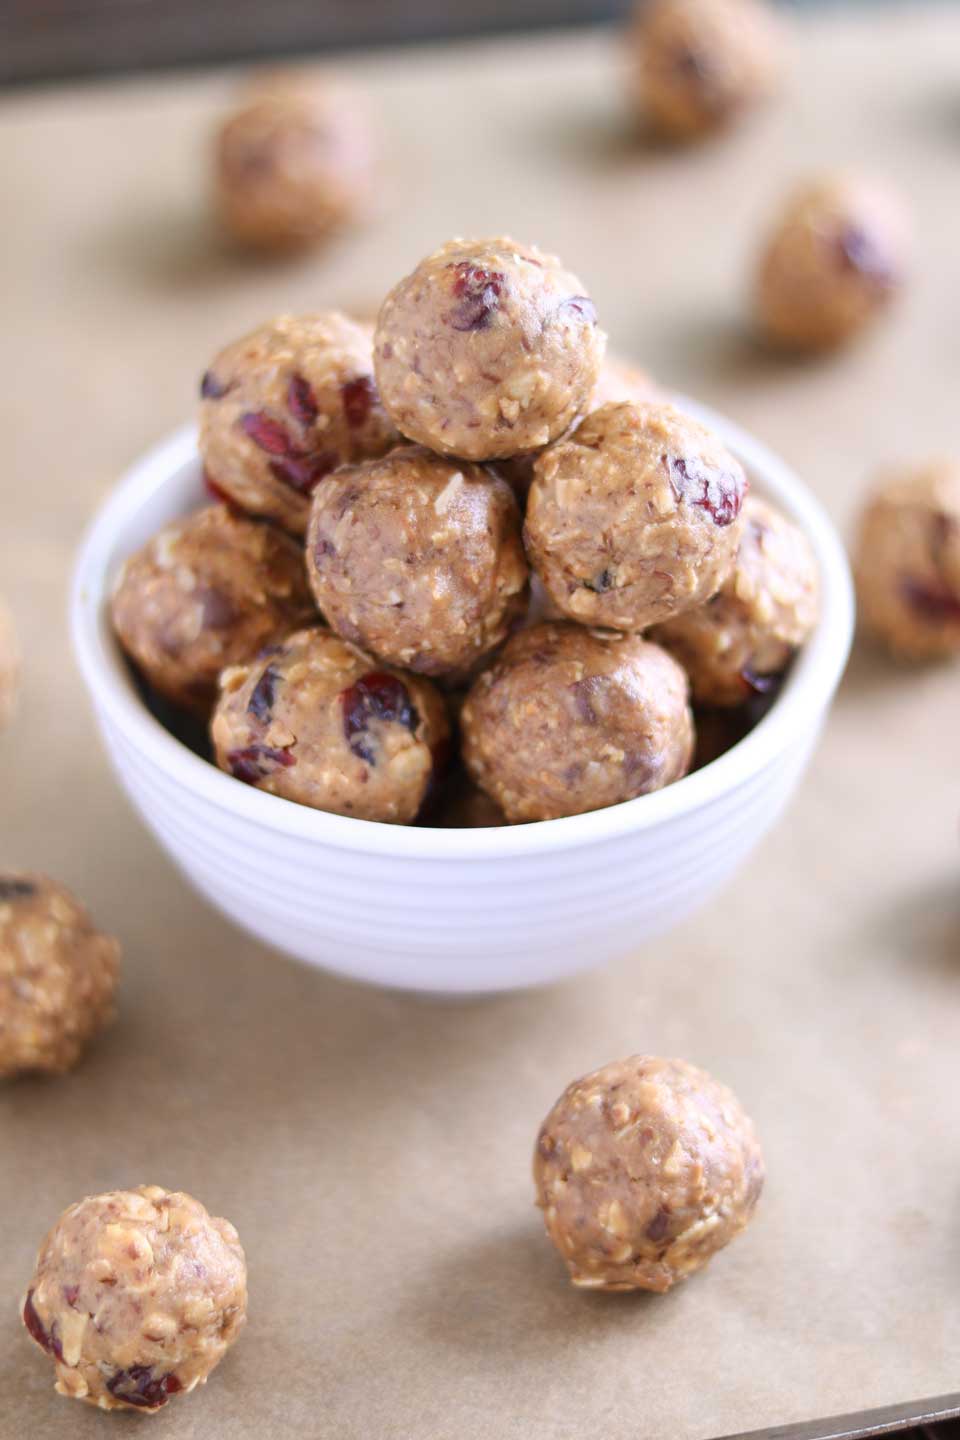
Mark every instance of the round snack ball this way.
pixel 834 260
pixel 293 162
pixel 907 562
pixel 566 720
pixel 57 977
pixel 9 666
pixel 635 518
pixel 644 1170
pixel 698 65
pixel 488 349
pixel 283 407
pixel 137 1296
pixel 319 722
pixel 741 641
pixel 207 592
pixel 418 559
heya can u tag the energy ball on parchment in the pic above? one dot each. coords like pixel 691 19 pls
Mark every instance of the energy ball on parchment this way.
pixel 644 1170
pixel 635 517
pixel 9 666
pixel 699 65
pixel 835 259
pixel 58 975
pixel 740 642
pixel 137 1296
pixel 907 562
pixel 488 349
pixel 317 721
pixel 207 592
pixel 567 720
pixel 418 559
pixel 286 405
pixel 294 161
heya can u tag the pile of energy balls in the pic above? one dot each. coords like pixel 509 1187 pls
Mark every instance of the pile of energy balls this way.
pixel 476 441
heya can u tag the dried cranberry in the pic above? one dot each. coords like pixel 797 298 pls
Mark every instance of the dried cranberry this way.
pixel 266 433
pixel 716 491
pixel 600 583
pixel 71 1294
pixel 214 491
pixel 304 472
pixel 254 762
pixel 211 388
pixel 659 1225
pixel 12 888
pixel 35 1329
pixel 301 401
pixel 264 694
pixel 582 306
pixel 377 696
pixel 585 692
pixel 478 292
pixel 860 251
pixel 936 603
pixel 139 1386
pixel 357 397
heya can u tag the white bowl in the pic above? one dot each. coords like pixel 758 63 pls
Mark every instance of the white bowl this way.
pixel 451 910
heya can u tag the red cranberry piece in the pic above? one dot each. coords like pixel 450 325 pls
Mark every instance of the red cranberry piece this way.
pixel 264 694
pixel 935 603
pixel 478 292
pixel 254 762
pixel 301 401
pixel 377 696
pixel 13 888
pixel 860 251
pixel 211 388
pixel 140 1386
pixel 266 433
pixel 357 397
pixel 35 1329
pixel 303 473
pixel 215 492
pixel 659 1225
pixel 716 491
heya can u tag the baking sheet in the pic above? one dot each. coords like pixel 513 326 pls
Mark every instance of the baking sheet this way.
pixel 372 1149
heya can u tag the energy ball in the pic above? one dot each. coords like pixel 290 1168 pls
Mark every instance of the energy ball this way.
pixel 9 666
pixel 644 1169
pixel 317 721
pixel 699 65
pixel 833 262
pixel 207 592
pixel 635 517
pixel 907 562
pixel 566 720
pixel 418 559
pixel 740 642
pixel 58 975
pixel 488 349
pixel 283 407
pixel 293 162
pixel 137 1296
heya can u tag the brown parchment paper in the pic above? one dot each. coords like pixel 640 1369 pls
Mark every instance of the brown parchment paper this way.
pixel 372 1149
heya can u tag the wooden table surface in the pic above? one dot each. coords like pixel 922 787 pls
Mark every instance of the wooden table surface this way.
pixel 373 1150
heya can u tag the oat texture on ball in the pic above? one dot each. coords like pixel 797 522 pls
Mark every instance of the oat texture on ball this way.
pixel 284 406
pixel 635 518
pixel 740 642
pixel 418 559
pixel 137 1296
pixel 319 722
pixel 207 592
pixel 9 666
pixel 644 1169
pixel 58 974
pixel 488 350
pixel 696 66
pixel 293 161
pixel 907 562
pixel 835 258
pixel 568 720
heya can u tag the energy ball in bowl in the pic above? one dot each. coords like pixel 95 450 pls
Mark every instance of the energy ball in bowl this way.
pixel 137 1296
pixel 293 162
pixel 317 721
pixel 833 262
pixel 488 349
pixel 9 666
pixel 58 975
pixel 418 559
pixel 283 407
pixel 566 720
pixel 644 1169
pixel 635 517
pixel 740 642
pixel 207 592
pixel 698 65
pixel 907 562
